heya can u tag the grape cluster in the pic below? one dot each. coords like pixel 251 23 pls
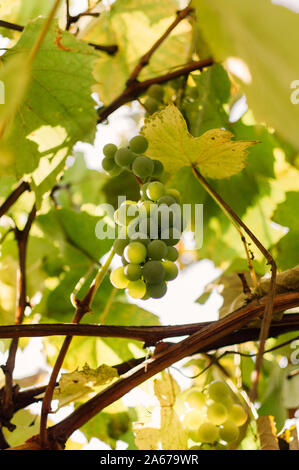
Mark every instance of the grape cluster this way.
pixel 213 417
pixel 148 228
pixel 154 99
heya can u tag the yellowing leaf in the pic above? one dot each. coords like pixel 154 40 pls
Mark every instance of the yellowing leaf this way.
pixel 214 153
pixel 171 435
pixel 166 390
pixel 76 384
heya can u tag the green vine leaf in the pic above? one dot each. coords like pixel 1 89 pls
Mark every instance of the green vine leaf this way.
pixel 214 153
pixel 57 109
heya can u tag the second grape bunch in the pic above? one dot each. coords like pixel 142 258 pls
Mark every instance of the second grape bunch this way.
pixel 148 228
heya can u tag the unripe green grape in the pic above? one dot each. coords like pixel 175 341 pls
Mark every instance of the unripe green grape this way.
pixel 193 419
pixel 116 170
pixel 109 150
pixel 137 289
pixel 175 194
pixel 207 433
pixel 170 237
pixel 124 157
pixel 133 272
pixel 155 190
pixel 156 291
pixel 172 253
pixel 156 91
pixel 143 191
pixel 217 413
pixel 151 105
pixel 157 250
pixel 158 168
pixel 108 164
pixel 217 390
pixel 195 399
pixel 153 272
pixel 138 144
pixel 119 245
pixel 229 432
pixel 118 278
pixel 171 270
pixel 149 227
pixel 141 238
pixel 237 415
pixel 142 167
pixel 168 200
pixel 147 209
pixel 195 448
pixel 127 212
pixel 135 252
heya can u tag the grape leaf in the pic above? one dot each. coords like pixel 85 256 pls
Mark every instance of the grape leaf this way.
pixel 79 383
pixel 286 215
pixel 258 52
pixel 134 27
pixel 147 437
pixel 58 109
pixel 214 153
pixel 205 110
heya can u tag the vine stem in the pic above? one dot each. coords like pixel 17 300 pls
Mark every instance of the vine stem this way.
pixel 202 339
pixel 21 237
pixel 144 60
pixel 83 307
pixel 267 317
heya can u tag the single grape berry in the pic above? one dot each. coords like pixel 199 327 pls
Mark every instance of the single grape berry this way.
pixel 109 150
pixel 118 278
pixel 195 399
pixel 147 209
pixel 175 194
pixel 229 432
pixel 133 272
pixel 158 168
pixel 143 192
pixel 170 236
pixel 155 190
pixel 156 91
pixel 171 270
pixel 237 415
pixel 151 105
pixel 168 200
pixel 207 433
pixel 124 157
pixel 116 170
pixel 137 289
pixel 135 253
pixel 217 413
pixel 142 167
pixel 127 212
pixel 108 164
pixel 218 390
pixel 120 244
pixel 193 419
pixel 156 291
pixel 138 144
pixel 153 272
pixel 157 250
pixel 172 253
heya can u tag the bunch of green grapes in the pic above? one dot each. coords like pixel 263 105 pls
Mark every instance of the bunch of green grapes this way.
pixel 213 417
pixel 148 228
